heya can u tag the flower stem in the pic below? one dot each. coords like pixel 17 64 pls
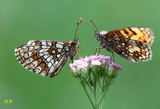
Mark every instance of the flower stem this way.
pixel 105 91
pixel 84 87
pixel 95 92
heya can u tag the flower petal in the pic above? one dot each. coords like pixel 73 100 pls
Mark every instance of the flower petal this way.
pixel 96 62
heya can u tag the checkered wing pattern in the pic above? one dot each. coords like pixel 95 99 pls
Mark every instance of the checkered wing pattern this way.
pixel 131 43
pixel 45 57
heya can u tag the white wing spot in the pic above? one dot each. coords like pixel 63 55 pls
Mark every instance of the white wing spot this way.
pixel 59 45
pixel 56 62
pixel 44 47
pixel 49 64
pixel 41 54
pixel 49 59
pixel 51 69
pixel 38 69
pixel 45 56
pixel 44 43
pixel 49 43
pixel 46 53
pixel 33 44
pixel 36 47
pixel 30 48
pixel 52 61
pixel 53 51
pixel 35 63
pixel 29 43
pixel 59 50
pixel 58 55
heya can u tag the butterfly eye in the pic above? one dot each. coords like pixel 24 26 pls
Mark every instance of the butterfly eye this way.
pixel 75 42
pixel 97 35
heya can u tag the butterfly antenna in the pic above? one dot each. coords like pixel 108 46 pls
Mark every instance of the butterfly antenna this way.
pixel 78 25
pixel 94 25
pixel 75 37
pixel 95 28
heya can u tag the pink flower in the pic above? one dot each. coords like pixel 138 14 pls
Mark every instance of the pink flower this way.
pixel 83 63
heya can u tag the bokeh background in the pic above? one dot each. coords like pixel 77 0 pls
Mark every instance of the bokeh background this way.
pixel 137 85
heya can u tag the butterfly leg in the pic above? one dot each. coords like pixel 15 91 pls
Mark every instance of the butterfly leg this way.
pixel 112 57
pixel 79 53
pixel 97 48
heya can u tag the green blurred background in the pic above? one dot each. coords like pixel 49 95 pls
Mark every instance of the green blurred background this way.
pixel 137 85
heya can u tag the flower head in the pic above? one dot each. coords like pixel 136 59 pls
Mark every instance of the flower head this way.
pixel 98 64
pixel 97 73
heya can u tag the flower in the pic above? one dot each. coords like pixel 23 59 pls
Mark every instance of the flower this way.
pixel 96 74
pixel 93 63
pixel 111 63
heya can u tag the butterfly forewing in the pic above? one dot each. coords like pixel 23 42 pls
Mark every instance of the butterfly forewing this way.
pixel 141 34
pixel 45 57
pixel 131 43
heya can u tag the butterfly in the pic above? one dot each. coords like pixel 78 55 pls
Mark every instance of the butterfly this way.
pixel 46 57
pixel 131 43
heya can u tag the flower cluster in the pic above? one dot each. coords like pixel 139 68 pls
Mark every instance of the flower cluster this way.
pixel 95 74
pixel 83 66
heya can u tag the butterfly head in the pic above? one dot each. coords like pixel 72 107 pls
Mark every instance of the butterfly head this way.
pixel 73 48
pixel 97 35
pixel 75 43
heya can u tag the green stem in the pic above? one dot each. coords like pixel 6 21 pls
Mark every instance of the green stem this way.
pixel 95 91
pixel 84 87
pixel 105 91
pixel 90 87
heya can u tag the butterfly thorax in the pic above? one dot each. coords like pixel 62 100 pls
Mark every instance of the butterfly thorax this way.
pixel 73 48
pixel 105 42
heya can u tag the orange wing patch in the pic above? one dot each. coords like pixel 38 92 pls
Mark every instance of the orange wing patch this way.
pixel 141 34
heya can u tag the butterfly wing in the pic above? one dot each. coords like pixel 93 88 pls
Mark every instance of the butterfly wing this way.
pixel 131 49
pixel 43 57
pixel 132 43
pixel 144 35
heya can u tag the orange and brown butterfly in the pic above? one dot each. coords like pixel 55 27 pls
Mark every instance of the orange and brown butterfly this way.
pixel 46 57
pixel 131 43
